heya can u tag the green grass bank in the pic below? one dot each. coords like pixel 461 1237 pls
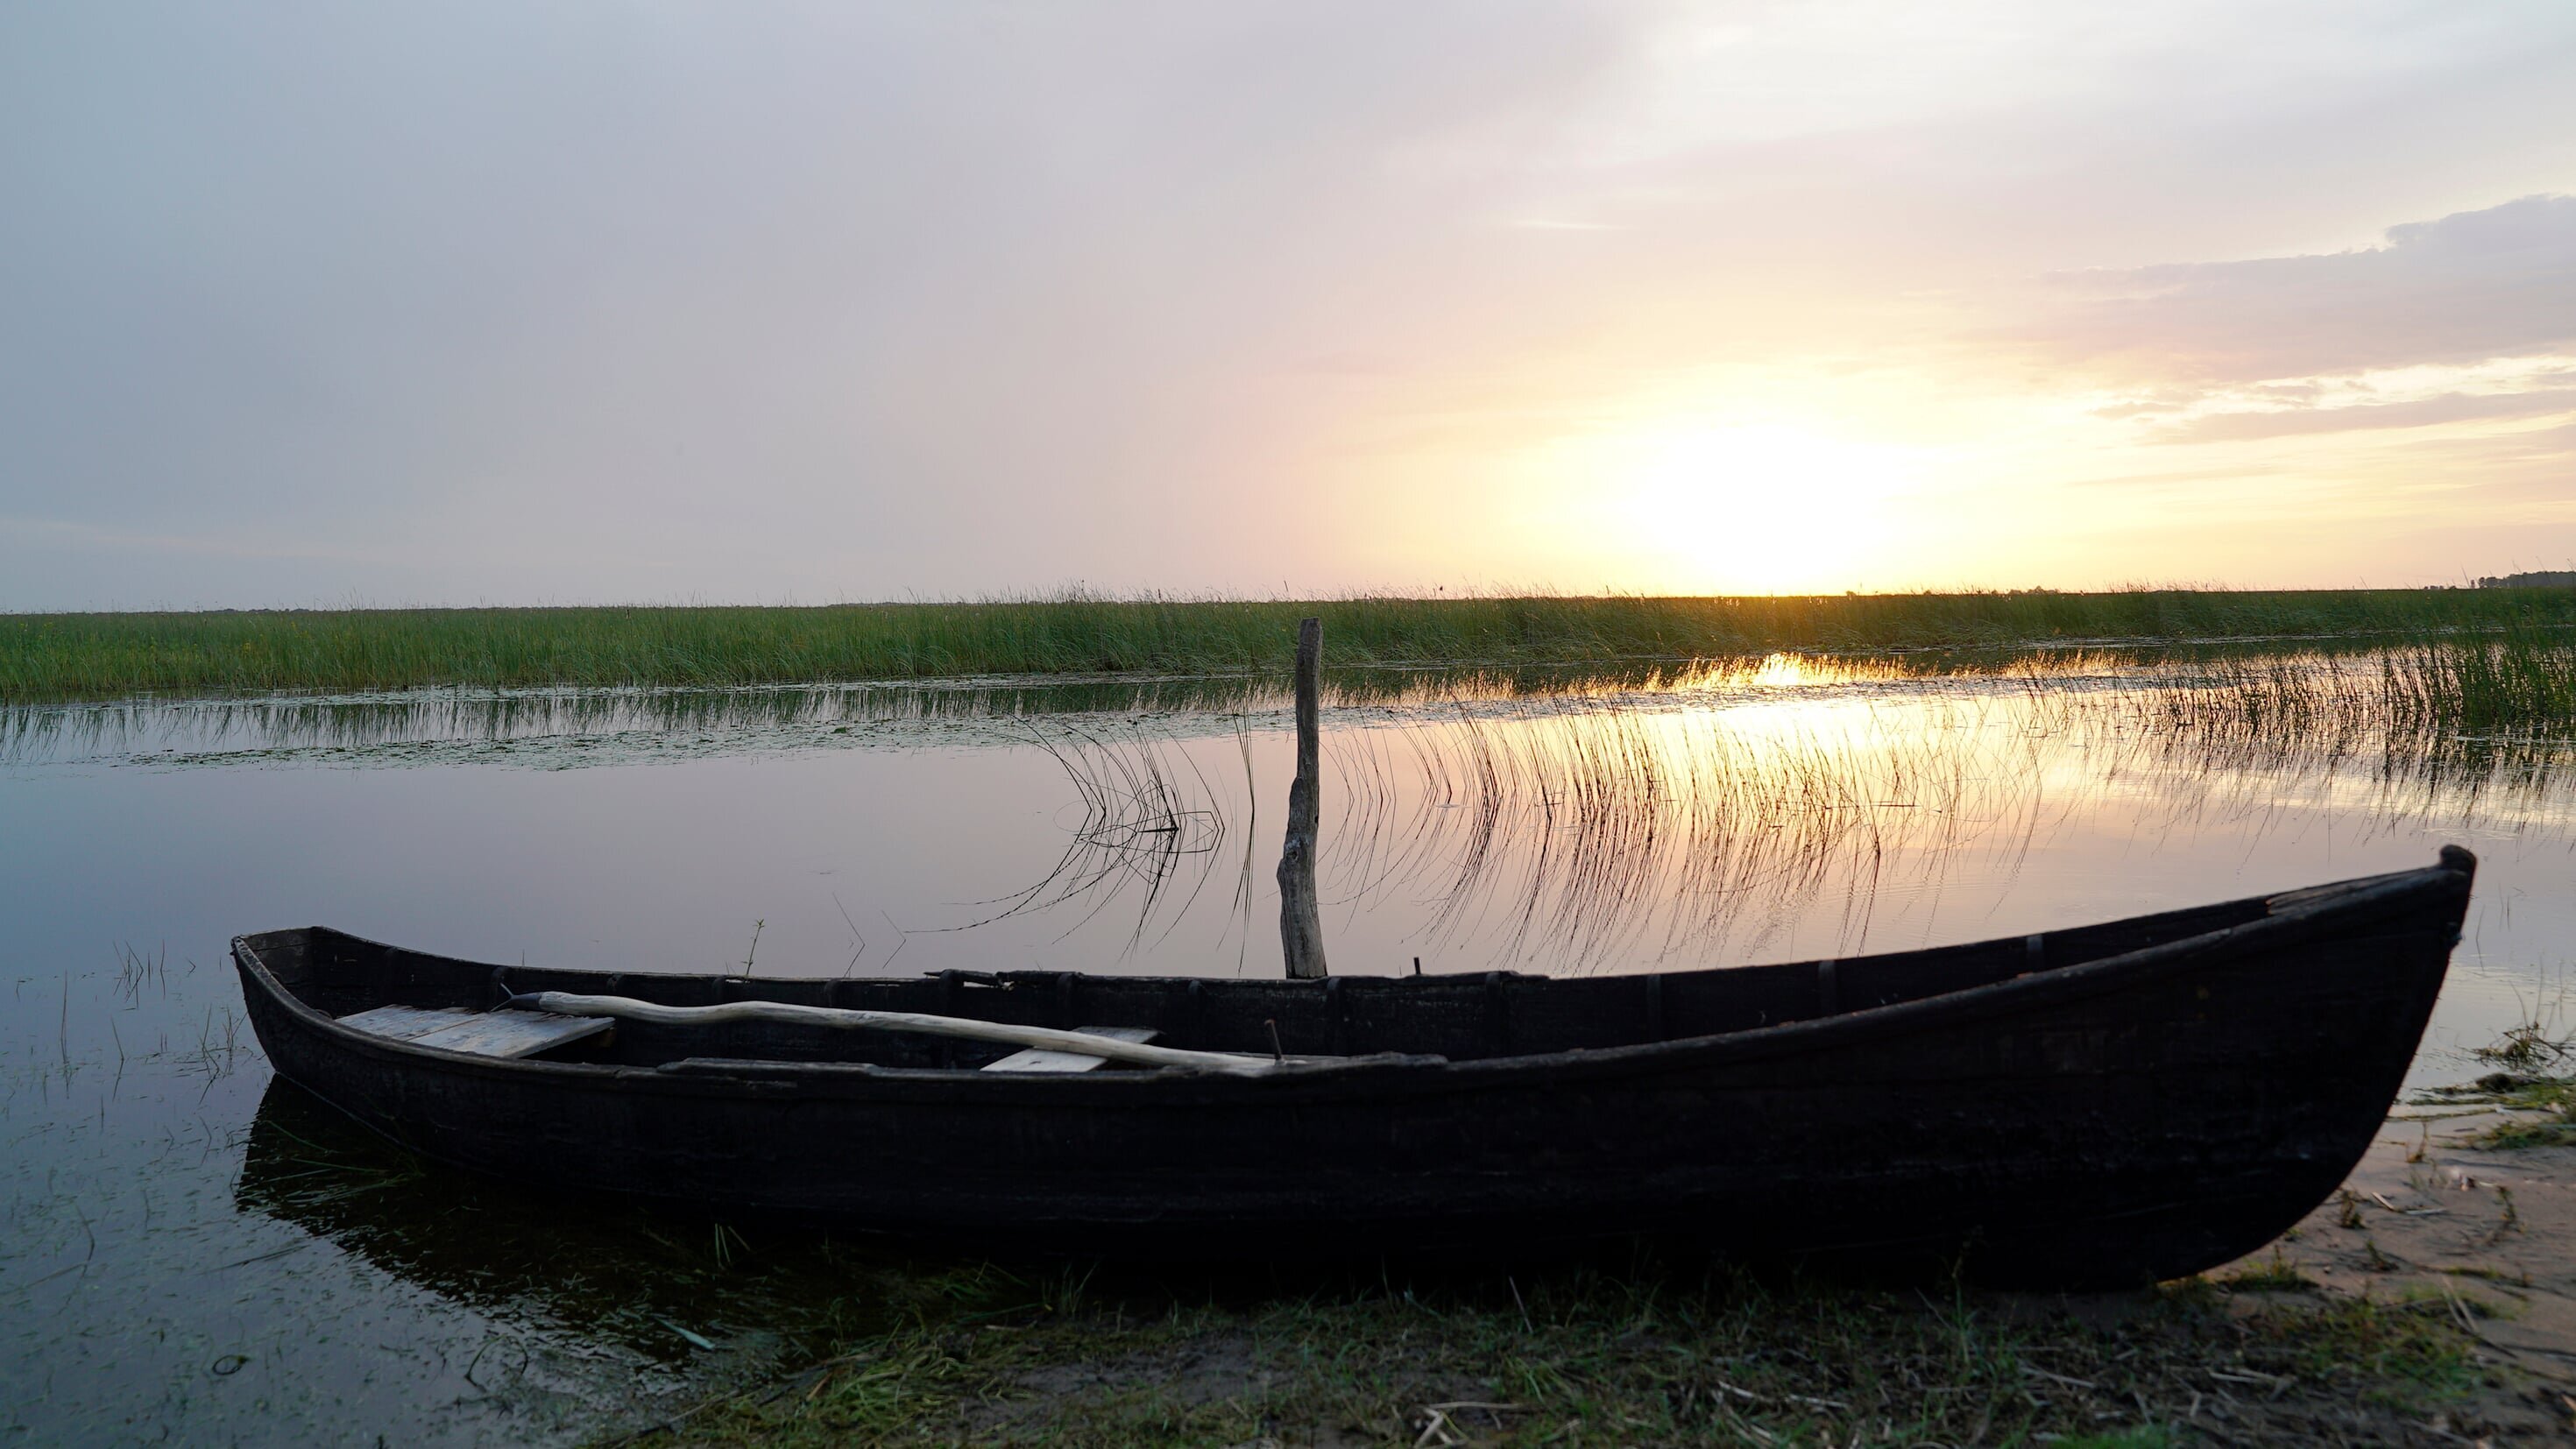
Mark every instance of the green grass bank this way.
pixel 53 657
pixel 1635 1357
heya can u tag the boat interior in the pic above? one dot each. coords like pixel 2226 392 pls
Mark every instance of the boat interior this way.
pixel 438 1001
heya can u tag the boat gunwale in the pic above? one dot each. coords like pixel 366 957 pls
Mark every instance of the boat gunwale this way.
pixel 2315 906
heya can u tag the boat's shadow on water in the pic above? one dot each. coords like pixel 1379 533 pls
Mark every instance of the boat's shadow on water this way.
pixel 601 1271
pixel 665 1283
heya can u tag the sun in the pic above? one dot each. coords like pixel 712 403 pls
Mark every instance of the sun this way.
pixel 1753 508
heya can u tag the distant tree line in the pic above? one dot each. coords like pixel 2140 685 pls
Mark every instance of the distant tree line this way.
pixel 2554 579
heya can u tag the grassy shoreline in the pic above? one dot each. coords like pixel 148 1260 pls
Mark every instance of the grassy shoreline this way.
pixel 772 1336
pixel 64 657
pixel 1639 1356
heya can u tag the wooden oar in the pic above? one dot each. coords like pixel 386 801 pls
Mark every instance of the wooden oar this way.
pixel 566 1003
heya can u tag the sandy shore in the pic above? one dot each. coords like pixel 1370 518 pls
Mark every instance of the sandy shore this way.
pixel 2429 1215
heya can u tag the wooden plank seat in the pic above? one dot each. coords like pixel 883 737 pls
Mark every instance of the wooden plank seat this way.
pixel 402 1023
pixel 484 1034
pixel 1045 1059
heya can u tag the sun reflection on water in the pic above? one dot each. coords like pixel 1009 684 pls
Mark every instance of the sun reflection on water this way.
pixel 1605 818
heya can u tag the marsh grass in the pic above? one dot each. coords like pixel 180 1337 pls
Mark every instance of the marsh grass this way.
pixel 1578 829
pixel 1665 822
pixel 1573 818
pixel 1148 816
pixel 1581 837
pixel 2535 1085
pixel 2458 697
pixel 1641 1353
pixel 2544 1108
pixel 2275 1276
pixel 1707 810
pixel 46 657
pixel 820 1340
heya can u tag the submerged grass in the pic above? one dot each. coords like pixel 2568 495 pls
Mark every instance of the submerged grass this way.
pixel 2478 687
pixel 2535 1085
pixel 95 656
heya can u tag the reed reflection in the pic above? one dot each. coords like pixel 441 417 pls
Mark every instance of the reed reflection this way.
pixel 1150 820
pixel 642 1288
pixel 1643 828
pixel 1610 818
pixel 608 725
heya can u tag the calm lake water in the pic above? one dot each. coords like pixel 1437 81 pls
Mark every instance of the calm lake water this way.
pixel 195 1253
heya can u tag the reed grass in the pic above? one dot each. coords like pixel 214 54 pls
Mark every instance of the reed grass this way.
pixel 2430 698
pixel 1640 1355
pixel 1715 819
pixel 48 657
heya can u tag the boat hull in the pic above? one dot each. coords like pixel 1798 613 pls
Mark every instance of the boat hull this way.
pixel 2118 1121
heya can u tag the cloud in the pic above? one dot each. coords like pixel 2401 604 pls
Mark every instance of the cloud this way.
pixel 515 301
pixel 2470 286
pixel 2231 427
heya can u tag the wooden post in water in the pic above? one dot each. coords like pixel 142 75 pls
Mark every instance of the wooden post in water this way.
pixel 1301 927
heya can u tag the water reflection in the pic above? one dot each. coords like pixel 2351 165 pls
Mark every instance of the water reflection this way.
pixel 167 1217
pixel 1642 827
pixel 565 727
pixel 651 1288
pixel 1607 819
pixel 561 727
pixel 1150 821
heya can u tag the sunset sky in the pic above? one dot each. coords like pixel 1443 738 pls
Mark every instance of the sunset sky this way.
pixel 758 303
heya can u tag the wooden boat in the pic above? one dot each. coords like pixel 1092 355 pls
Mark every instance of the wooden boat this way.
pixel 2100 1106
